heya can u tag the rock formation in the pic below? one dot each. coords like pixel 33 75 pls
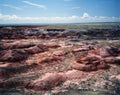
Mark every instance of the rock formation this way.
pixel 43 60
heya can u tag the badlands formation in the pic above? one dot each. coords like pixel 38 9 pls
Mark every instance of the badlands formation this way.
pixel 59 61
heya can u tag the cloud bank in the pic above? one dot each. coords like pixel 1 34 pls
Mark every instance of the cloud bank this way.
pixel 69 19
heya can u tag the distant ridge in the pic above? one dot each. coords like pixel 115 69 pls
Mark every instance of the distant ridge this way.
pixel 42 24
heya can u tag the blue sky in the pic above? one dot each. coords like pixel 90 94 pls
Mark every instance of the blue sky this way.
pixel 59 11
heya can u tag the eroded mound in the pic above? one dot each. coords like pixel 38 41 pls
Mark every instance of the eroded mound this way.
pixel 58 65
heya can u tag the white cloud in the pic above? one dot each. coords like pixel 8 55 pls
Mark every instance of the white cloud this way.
pixel 75 7
pixel 11 6
pixel 85 15
pixel 8 17
pixel 15 17
pixel 85 18
pixel 35 4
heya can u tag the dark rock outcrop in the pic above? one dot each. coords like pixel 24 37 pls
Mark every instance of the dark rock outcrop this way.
pixel 13 55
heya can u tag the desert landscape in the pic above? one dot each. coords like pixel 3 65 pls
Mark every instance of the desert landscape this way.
pixel 60 59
